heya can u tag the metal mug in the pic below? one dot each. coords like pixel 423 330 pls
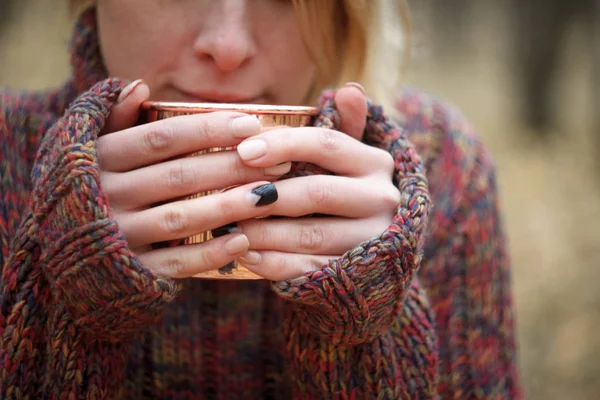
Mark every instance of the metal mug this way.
pixel 269 116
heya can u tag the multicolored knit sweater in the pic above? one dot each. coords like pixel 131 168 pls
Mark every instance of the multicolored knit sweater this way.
pixel 422 311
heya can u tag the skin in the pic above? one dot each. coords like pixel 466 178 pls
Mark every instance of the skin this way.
pixel 205 50
pixel 229 51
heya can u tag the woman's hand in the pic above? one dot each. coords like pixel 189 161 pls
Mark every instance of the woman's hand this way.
pixel 360 198
pixel 145 173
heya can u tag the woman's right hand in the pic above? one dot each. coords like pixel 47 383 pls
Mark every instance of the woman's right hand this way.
pixel 145 165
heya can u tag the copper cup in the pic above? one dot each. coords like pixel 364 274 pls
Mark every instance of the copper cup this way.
pixel 269 116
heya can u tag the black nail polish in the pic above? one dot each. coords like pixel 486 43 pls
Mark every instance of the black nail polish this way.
pixel 267 194
pixel 228 269
pixel 225 230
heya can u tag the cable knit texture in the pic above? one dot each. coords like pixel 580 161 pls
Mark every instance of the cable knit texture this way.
pixel 421 311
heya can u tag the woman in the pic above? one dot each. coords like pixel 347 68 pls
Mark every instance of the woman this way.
pixel 386 298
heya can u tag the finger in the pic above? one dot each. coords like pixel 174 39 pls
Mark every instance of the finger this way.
pixel 190 260
pixel 279 266
pixel 335 195
pixel 183 177
pixel 320 236
pixel 329 149
pixel 351 104
pixel 156 141
pixel 127 110
pixel 182 219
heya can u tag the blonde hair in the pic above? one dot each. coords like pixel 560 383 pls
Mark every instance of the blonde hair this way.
pixel 364 41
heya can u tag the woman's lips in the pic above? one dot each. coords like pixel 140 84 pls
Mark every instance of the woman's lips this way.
pixel 214 97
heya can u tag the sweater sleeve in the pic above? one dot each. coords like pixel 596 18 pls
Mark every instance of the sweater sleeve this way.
pixel 71 288
pixel 466 272
pixel 400 363
pixel 466 269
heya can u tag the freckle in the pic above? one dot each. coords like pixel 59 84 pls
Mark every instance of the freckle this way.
pixel 228 269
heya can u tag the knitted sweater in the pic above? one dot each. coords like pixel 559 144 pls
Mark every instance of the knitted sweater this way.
pixel 421 311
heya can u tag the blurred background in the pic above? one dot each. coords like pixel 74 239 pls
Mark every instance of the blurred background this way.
pixel 526 73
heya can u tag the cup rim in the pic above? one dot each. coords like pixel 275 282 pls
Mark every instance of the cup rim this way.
pixel 246 108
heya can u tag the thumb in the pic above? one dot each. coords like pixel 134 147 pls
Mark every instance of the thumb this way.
pixel 127 110
pixel 351 104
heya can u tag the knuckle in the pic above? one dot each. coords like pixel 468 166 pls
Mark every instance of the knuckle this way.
pixel 175 220
pixel 207 259
pixel 238 171
pixel 388 164
pixel 328 140
pixel 175 265
pixel 390 197
pixel 226 208
pixel 102 152
pixel 278 268
pixel 106 180
pixel 319 191
pixel 159 137
pixel 208 128
pixel 262 234
pixel 311 238
pixel 180 176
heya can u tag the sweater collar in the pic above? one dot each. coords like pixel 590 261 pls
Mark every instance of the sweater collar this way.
pixel 86 60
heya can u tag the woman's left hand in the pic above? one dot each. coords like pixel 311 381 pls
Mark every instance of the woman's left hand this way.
pixel 360 198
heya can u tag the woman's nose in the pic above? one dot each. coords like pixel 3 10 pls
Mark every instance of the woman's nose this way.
pixel 226 38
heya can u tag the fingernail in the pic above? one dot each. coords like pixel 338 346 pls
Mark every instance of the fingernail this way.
pixel 128 90
pixel 277 170
pixel 245 126
pixel 225 230
pixel 237 244
pixel 356 85
pixel 264 195
pixel 228 269
pixel 250 258
pixel 252 149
